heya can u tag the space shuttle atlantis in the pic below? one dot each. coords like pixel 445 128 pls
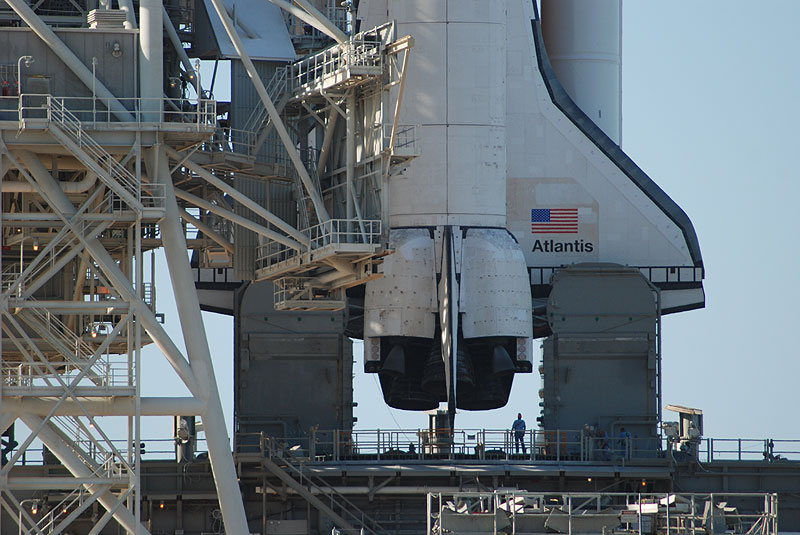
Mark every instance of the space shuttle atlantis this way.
pixel 521 175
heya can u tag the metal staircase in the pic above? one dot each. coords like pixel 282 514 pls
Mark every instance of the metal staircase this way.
pixel 344 513
pixel 259 121
pixel 69 131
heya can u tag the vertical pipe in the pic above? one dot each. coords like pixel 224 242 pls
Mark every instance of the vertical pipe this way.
pixel 151 57
pixel 350 150
pixel 137 360
pixel 191 319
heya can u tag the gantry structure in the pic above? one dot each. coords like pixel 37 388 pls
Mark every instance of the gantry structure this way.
pixel 111 150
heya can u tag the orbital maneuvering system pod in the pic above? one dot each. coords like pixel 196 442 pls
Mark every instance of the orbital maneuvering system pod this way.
pixel 521 174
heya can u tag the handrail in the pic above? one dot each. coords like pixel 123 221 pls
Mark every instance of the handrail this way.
pixel 322 235
pixel 374 527
pixel 200 115
pixel 356 53
pixel 113 173
pixel 540 446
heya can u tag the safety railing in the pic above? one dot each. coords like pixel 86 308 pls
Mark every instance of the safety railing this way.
pixel 57 334
pixel 288 289
pixel 536 445
pixel 226 139
pixel 326 234
pixel 151 449
pixel 340 231
pixel 335 499
pixel 34 376
pixel 9 108
pixel 360 56
pixel 10 276
pixel 71 502
pixel 748 449
pixel 151 196
pixel 640 513
pixel 101 113
pixel 100 455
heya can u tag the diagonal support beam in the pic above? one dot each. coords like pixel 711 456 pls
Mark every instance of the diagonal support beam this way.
pixel 246 201
pixel 312 16
pixel 207 231
pixel 75 465
pixel 239 220
pixel 280 128
pixel 191 319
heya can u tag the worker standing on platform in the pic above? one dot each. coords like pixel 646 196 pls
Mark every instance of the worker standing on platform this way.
pixel 518 427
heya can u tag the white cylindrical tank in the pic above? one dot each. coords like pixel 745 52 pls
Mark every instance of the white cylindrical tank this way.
pixel 584 43
pixel 456 92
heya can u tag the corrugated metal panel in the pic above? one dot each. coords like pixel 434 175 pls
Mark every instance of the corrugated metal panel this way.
pixel 246 241
pixel 117 73
pixel 278 198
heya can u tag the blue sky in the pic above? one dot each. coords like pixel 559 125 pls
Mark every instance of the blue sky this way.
pixel 711 105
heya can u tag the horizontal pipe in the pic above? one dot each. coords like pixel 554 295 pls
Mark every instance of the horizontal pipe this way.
pixel 82 186
pixel 86 307
pixel 421 490
pixel 118 406
pixel 61 483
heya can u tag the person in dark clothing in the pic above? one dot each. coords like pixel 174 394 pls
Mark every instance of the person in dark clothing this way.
pixel 518 427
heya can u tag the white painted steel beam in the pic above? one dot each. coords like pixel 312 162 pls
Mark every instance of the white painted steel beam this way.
pixel 81 186
pixel 194 335
pixel 242 198
pixel 239 220
pixel 151 58
pixel 68 57
pixel 130 14
pixel 207 231
pixel 57 483
pixel 114 406
pixel 62 205
pixel 312 16
pixel 81 307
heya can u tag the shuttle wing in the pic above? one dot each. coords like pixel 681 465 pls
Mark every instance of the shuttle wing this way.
pixel 573 195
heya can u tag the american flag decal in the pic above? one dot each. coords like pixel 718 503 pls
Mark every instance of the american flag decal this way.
pixel 554 221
